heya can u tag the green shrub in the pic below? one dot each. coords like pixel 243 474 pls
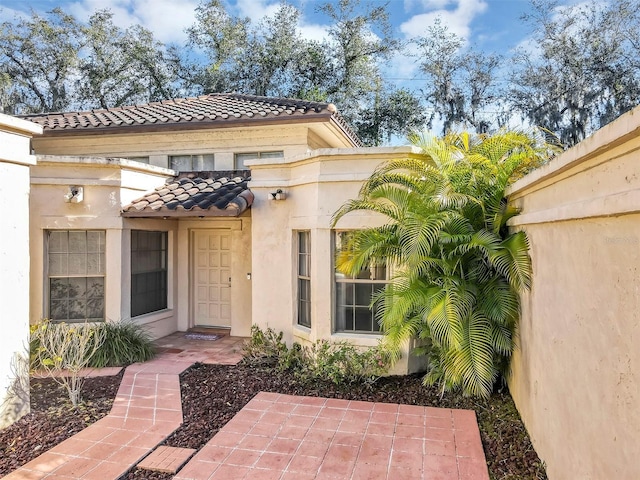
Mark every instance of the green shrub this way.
pixel 338 362
pixel 124 343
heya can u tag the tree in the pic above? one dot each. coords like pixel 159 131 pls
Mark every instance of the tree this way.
pixel 393 112
pixel 121 66
pixel 459 271
pixel 583 71
pixel 222 38
pixel 358 42
pixel 40 57
pixel 275 47
pixel 460 83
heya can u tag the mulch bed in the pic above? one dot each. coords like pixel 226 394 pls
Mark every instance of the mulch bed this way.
pixel 213 394
pixel 53 419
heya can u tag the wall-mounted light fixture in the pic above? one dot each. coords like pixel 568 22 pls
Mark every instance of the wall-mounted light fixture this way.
pixel 74 195
pixel 277 195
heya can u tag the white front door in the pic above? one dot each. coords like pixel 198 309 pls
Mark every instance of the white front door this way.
pixel 211 267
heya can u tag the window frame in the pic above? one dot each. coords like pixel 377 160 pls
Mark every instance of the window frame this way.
pixel 254 156
pixel 306 279
pixel 163 302
pixel 193 157
pixel 354 281
pixel 48 275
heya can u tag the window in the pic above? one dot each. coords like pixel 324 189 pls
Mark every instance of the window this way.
pixel 304 279
pixel 354 296
pixel 192 163
pixel 75 270
pixel 242 157
pixel 148 272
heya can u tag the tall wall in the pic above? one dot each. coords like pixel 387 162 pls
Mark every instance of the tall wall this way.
pixel 15 161
pixel 316 185
pixel 576 374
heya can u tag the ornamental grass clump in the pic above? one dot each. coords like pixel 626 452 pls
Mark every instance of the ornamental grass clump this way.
pixel 124 343
pixel 62 350
pixel 459 271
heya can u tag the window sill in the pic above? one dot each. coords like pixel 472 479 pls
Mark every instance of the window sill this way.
pixel 364 339
pixel 301 332
pixel 152 316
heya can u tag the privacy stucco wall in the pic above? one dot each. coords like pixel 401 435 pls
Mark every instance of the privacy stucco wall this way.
pixel 316 185
pixel 15 161
pixel 576 373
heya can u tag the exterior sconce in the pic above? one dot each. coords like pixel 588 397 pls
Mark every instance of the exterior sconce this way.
pixel 74 195
pixel 277 195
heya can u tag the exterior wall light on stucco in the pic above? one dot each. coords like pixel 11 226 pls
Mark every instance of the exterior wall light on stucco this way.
pixel 277 195
pixel 74 195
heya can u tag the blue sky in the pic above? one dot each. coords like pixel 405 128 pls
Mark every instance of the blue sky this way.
pixel 491 25
pixel 487 25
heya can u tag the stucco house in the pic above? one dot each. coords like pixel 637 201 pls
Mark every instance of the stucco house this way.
pixel 208 211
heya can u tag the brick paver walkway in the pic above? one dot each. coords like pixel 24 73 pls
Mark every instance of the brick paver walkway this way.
pixel 283 437
pixel 274 437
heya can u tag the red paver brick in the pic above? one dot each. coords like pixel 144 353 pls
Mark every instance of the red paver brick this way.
pixel 273 461
pixel 214 453
pixel 166 459
pixel 293 432
pixel 197 470
pixel 283 445
pixel 472 469
pixel 243 458
pixel 304 464
pixel 253 442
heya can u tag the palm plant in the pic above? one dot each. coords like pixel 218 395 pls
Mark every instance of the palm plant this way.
pixel 459 271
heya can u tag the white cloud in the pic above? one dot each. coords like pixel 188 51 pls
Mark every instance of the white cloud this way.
pixel 426 4
pixel 167 19
pixel 256 10
pixel 457 20
pixel 312 31
pixel 9 14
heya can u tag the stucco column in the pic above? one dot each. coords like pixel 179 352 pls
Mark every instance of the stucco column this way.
pixel 116 307
pixel 15 160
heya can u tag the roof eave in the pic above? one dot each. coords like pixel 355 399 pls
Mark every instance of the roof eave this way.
pixel 181 213
pixel 200 125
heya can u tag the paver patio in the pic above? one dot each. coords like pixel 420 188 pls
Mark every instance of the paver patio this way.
pixel 284 437
pixel 273 437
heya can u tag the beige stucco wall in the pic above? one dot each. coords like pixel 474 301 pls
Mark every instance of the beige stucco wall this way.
pixel 576 374
pixel 108 185
pixel 15 161
pixel 316 185
pixel 224 143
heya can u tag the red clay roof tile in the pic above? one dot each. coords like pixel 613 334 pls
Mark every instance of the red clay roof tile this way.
pixel 205 110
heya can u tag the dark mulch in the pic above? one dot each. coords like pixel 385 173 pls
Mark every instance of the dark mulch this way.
pixel 53 419
pixel 213 394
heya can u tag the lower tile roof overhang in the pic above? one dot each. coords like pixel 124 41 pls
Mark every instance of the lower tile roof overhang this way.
pixel 214 212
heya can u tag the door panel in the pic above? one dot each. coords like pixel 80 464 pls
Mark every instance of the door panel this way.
pixel 212 278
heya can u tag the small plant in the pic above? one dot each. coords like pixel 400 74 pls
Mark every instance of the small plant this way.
pixel 124 343
pixel 265 347
pixel 63 350
pixel 343 362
